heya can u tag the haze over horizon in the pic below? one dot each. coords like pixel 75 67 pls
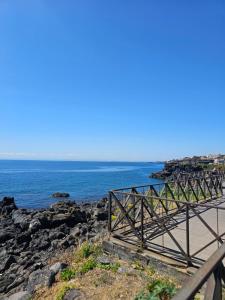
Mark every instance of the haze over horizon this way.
pixel 111 81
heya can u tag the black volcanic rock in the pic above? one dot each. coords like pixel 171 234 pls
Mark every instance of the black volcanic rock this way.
pixel 60 195
pixel 39 279
pixel 29 238
pixel 21 218
pixel 176 166
pixel 7 205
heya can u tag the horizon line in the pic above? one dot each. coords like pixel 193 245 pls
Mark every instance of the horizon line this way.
pixel 69 160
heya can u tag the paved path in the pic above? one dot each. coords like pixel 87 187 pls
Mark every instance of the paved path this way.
pixel 199 233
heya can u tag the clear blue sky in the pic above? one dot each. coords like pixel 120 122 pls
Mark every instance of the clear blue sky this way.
pixel 111 80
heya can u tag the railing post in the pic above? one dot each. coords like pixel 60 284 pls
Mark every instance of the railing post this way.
pixel 133 199
pixel 142 223
pixel 110 213
pixel 188 236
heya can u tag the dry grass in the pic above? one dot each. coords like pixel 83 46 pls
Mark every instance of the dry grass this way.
pixel 99 283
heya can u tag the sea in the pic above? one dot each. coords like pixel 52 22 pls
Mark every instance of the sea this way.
pixel 32 183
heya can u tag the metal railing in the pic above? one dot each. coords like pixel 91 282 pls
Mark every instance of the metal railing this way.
pixel 148 215
pixel 212 273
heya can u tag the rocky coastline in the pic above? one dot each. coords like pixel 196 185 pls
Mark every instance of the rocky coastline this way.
pixel 174 167
pixel 29 238
pixel 190 165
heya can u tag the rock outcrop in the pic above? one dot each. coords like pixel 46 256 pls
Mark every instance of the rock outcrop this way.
pixel 28 238
pixel 176 166
pixel 60 195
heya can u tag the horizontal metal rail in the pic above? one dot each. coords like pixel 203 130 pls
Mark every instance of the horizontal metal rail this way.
pixel 141 214
pixel 212 273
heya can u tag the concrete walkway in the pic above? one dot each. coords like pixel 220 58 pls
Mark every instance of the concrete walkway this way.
pixel 200 235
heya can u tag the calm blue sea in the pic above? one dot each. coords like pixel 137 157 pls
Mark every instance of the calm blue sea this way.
pixel 33 182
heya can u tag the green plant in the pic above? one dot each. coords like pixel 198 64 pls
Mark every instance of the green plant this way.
pixel 113 267
pixel 86 250
pixel 88 265
pixel 113 217
pixel 150 270
pixel 137 265
pixel 141 296
pixel 83 268
pixel 62 292
pixel 158 289
pixel 67 274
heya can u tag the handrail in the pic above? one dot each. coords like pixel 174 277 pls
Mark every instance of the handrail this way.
pixel 140 216
pixel 202 204
pixel 218 174
pixel 211 272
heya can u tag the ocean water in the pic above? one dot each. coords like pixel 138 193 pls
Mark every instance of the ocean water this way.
pixel 33 182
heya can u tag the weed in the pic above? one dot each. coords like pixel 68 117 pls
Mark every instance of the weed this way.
pixel 88 265
pixel 150 271
pixel 137 265
pixel 161 288
pixel 113 217
pixel 103 279
pixel 158 289
pixel 113 267
pixel 60 295
pixel 67 274
pixel 86 250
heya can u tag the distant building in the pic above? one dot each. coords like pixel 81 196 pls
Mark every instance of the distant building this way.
pixel 219 161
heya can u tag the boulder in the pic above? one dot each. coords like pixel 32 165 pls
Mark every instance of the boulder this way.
pixel 74 294
pixel 56 235
pixel 5 282
pixel 101 214
pixel 21 218
pixel 23 237
pixel 6 263
pixel 18 281
pixel 40 244
pixel 75 232
pixel 34 225
pixel 57 267
pixel 102 203
pixel 23 295
pixel 70 218
pixel 40 278
pixel 7 205
pixel 3 253
pixel 60 195
pixel 104 260
pixel 6 235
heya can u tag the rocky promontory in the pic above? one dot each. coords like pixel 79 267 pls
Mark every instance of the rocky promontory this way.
pixel 174 167
pixel 29 238
pixel 190 165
